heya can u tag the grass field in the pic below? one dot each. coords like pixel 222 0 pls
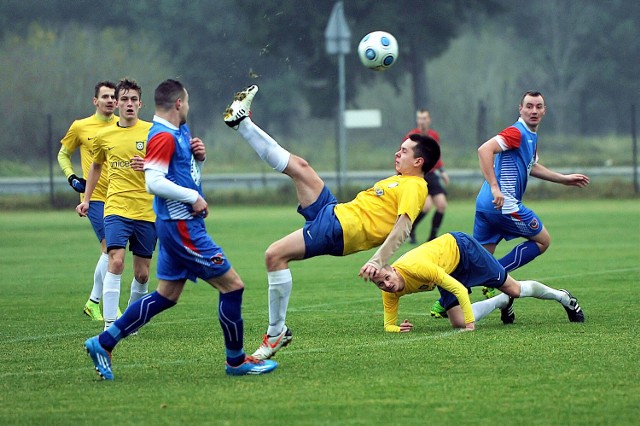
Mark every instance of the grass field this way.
pixel 341 367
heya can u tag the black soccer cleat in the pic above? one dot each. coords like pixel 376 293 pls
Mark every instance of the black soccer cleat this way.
pixel 574 311
pixel 506 314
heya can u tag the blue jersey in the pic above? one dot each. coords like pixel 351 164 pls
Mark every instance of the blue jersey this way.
pixel 512 167
pixel 169 150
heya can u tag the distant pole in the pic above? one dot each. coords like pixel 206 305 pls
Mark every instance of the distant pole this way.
pixel 338 37
pixel 634 141
pixel 50 151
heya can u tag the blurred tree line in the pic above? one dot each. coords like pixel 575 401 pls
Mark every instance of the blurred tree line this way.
pixel 467 60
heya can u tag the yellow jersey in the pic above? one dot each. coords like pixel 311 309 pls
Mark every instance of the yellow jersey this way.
pixel 424 268
pixel 368 219
pixel 126 193
pixel 81 134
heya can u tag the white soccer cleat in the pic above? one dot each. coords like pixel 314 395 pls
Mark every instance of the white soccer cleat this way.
pixel 271 344
pixel 240 108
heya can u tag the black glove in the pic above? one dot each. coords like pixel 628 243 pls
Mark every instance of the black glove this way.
pixel 78 184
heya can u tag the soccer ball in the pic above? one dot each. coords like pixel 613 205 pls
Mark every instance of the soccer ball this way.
pixel 378 50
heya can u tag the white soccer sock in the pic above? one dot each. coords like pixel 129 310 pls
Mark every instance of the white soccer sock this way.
pixel 538 290
pixel 280 284
pixel 264 145
pixel 484 307
pixel 110 296
pixel 98 277
pixel 138 291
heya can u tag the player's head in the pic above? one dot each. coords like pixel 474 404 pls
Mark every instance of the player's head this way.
pixel 532 108
pixel 427 148
pixel 129 98
pixel 389 280
pixel 104 98
pixel 423 120
pixel 171 95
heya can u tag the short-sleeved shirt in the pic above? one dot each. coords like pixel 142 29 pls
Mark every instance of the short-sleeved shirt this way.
pixel 126 194
pixel 512 167
pixel 368 219
pixel 81 134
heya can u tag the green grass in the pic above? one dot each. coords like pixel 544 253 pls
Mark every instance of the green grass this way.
pixel 341 368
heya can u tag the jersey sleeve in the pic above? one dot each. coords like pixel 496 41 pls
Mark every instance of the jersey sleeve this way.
pixel 509 138
pixel 390 304
pixel 412 198
pixel 70 139
pixel 99 155
pixel 452 285
pixel 160 149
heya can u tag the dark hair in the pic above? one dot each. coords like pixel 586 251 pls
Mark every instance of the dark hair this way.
pixel 167 93
pixel 106 83
pixel 427 148
pixel 125 85
pixel 533 93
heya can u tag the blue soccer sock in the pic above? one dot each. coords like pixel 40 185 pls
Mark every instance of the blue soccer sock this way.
pixel 230 316
pixel 520 255
pixel 136 315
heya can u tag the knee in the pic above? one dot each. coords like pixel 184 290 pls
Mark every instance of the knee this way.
pixel 272 258
pixel 142 277
pixel 544 244
pixel 116 265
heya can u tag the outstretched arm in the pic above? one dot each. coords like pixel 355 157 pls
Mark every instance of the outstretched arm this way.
pixel 574 179
pixel 394 240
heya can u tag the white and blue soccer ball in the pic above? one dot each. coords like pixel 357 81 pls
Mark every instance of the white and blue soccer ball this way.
pixel 378 50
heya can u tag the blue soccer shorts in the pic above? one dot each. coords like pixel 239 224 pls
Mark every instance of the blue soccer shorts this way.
pixel 96 217
pixel 491 228
pixel 187 252
pixel 477 267
pixel 140 234
pixel 322 231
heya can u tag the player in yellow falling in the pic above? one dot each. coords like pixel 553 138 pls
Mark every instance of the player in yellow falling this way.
pixel 455 262
pixel 381 216
pixel 128 211
pixel 81 134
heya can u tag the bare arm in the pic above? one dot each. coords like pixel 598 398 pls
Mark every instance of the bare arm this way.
pixel 486 153
pixel 92 180
pixel 394 240
pixel 575 179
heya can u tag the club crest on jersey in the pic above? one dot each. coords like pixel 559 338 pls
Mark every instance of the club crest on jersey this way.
pixel 140 145
pixel 534 224
pixel 379 191
pixel 217 259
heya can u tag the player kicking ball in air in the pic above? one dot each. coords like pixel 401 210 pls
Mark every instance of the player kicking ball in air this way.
pixel 381 216
pixel 455 262
pixel 172 172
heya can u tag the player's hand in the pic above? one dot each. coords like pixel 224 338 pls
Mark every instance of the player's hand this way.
pixel 469 327
pixel 82 209
pixel 200 207
pixel 368 272
pixel 77 183
pixel 137 163
pixel 198 149
pixel 577 179
pixel 498 197
pixel 406 326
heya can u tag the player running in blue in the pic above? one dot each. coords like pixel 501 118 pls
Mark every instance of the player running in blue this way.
pixel 506 161
pixel 172 172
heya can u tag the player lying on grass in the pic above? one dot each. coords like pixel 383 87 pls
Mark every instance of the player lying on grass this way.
pixel 380 216
pixel 450 262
